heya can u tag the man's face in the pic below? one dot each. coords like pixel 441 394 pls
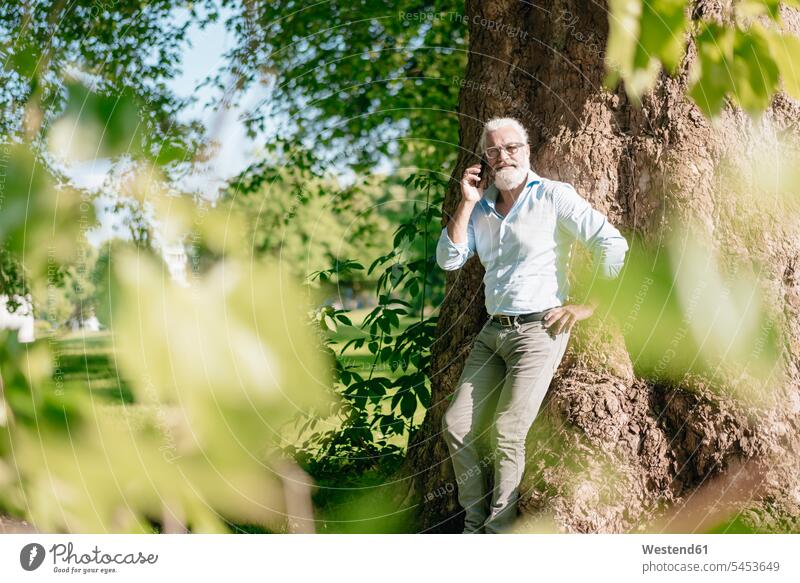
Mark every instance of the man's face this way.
pixel 509 169
pixel 502 137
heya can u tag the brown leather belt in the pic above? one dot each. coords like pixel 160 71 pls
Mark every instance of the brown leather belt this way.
pixel 521 318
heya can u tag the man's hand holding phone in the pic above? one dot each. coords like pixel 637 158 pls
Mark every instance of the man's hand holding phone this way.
pixel 474 182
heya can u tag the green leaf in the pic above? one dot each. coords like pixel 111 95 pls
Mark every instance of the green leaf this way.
pixel 642 37
pixel 786 52
pixel 755 71
pixel 753 8
pixel 424 395
pixel 401 302
pixel 734 62
pixel 344 319
pixel 328 323
pixel 386 422
pixel 375 387
pixel 98 125
pixel 663 33
pixel 712 67
pixel 380 261
pixel 396 399
pixel 408 405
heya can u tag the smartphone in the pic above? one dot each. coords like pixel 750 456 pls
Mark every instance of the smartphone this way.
pixel 484 175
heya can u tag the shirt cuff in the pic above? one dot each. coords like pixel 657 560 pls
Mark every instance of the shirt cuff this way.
pixel 462 247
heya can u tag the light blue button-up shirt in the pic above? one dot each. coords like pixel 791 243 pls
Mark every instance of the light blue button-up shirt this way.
pixel 526 253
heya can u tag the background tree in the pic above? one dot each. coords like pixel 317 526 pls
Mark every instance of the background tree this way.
pixel 135 47
pixel 97 74
pixel 348 78
pixel 308 221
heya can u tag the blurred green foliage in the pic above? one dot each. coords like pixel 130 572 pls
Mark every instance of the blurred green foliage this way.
pixel 213 369
pixel 742 59
pixel 42 219
pixel 643 37
pixel 684 313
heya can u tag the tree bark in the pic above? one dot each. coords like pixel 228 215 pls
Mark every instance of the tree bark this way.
pixel 613 450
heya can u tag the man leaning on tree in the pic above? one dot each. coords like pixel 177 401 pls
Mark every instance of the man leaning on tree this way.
pixel 522 228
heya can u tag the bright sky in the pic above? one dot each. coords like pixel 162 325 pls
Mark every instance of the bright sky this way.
pixel 204 57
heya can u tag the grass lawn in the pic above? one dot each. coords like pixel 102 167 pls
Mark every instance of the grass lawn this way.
pixel 362 357
pixel 88 357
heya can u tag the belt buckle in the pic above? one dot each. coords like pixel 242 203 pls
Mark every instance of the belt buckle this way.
pixel 506 320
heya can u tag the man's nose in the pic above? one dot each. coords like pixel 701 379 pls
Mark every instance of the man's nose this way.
pixel 505 157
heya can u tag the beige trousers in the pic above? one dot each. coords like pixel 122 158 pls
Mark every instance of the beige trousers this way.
pixel 504 381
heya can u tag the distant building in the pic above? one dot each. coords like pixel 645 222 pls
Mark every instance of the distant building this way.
pixel 21 319
pixel 88 324
pixel 176 259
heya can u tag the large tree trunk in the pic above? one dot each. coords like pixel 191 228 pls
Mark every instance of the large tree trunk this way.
pixel 649 169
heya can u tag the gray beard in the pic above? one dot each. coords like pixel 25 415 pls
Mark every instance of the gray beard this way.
pixel 510 178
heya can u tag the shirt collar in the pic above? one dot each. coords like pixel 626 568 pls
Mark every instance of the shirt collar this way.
pixel 491 193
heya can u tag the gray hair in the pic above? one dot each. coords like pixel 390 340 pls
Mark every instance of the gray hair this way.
pixel 499 122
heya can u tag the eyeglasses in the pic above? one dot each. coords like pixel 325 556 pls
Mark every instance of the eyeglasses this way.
pixel 494 152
